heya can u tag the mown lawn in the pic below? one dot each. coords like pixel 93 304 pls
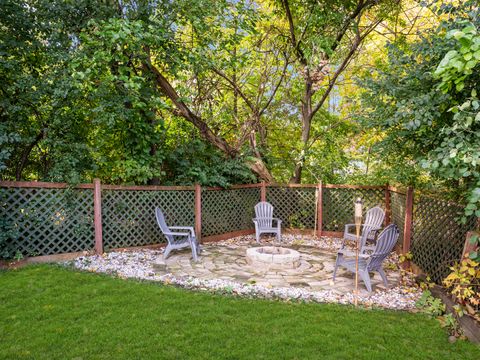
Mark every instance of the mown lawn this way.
pixel 47 312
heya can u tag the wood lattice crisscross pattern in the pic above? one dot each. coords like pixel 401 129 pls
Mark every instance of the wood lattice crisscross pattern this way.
pixel 128 216
pixel 397 206
pixel 296 207
pixel 228 210
pixel 438 238
pixel 47 221
pixel 338 205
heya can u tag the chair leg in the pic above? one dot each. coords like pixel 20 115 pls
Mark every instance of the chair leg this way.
pixel 337 262
pixel 193 246
pixel 257 236
pixel 197 245
pixel 194 252
pixel 366 279
pixel 384 276
pixel 278 235
pixel 167 252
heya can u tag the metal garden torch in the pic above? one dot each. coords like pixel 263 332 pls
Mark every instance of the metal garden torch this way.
pixel 358 226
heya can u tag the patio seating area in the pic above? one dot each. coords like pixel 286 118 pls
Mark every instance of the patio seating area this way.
pixel 223 268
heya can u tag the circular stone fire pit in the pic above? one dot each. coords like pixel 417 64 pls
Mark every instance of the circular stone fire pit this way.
pixel 272 257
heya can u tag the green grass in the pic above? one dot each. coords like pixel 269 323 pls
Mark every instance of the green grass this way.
pixel 47 312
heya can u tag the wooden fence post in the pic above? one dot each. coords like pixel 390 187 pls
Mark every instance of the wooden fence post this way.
pixel 319 209
pixel 263 192
pixel 467 248
pixel 388 209
pixel 407 230
pixel 198 211
pixel 97 213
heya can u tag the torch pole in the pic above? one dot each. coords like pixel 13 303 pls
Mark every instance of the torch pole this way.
pixel 358 226
pixel 356 265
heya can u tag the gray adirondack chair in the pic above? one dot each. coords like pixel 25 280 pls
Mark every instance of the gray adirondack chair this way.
pixel 373 223
pixel 370 262
pixel 264 221
pixel 177 239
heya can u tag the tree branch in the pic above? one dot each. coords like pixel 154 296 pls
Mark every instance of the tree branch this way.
pixel 358 40
pixel 236 88
pixel 295 44
pixel 182 110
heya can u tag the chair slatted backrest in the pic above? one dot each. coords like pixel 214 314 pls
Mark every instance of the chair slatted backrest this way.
pixel 264 214
pixel 375 216
pixel 162 223
pixel 385 243
pixel 366 231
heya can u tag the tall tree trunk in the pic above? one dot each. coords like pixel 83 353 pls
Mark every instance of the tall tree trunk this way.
pixel 26 154
pixel 307 115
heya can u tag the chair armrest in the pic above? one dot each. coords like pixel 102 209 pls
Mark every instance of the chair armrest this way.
pixel 373 228
pixel 190 228
pixel 176 233
pixel 347 226
pixel 275 219
pixel 351 253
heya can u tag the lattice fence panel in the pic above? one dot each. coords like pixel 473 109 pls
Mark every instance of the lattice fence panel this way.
pixel 228 210
pixel 338 205
pixel 296 207
pixel 46 221
pixel 397 207
pixel 129 215
pixel 438 238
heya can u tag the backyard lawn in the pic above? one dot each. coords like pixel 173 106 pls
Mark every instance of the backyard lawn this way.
pixel 48 312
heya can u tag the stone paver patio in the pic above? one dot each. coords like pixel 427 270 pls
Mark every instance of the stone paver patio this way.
pixel 228 261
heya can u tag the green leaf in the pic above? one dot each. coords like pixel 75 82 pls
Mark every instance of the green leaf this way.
pixel 473 239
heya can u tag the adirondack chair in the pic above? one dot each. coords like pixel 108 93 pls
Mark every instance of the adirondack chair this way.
pixel 177 239
pixel 373 223
pixel 370 262
pixel 264 221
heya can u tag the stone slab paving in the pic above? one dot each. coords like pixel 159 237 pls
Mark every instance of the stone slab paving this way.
pixel 229 262
pixel 223 267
